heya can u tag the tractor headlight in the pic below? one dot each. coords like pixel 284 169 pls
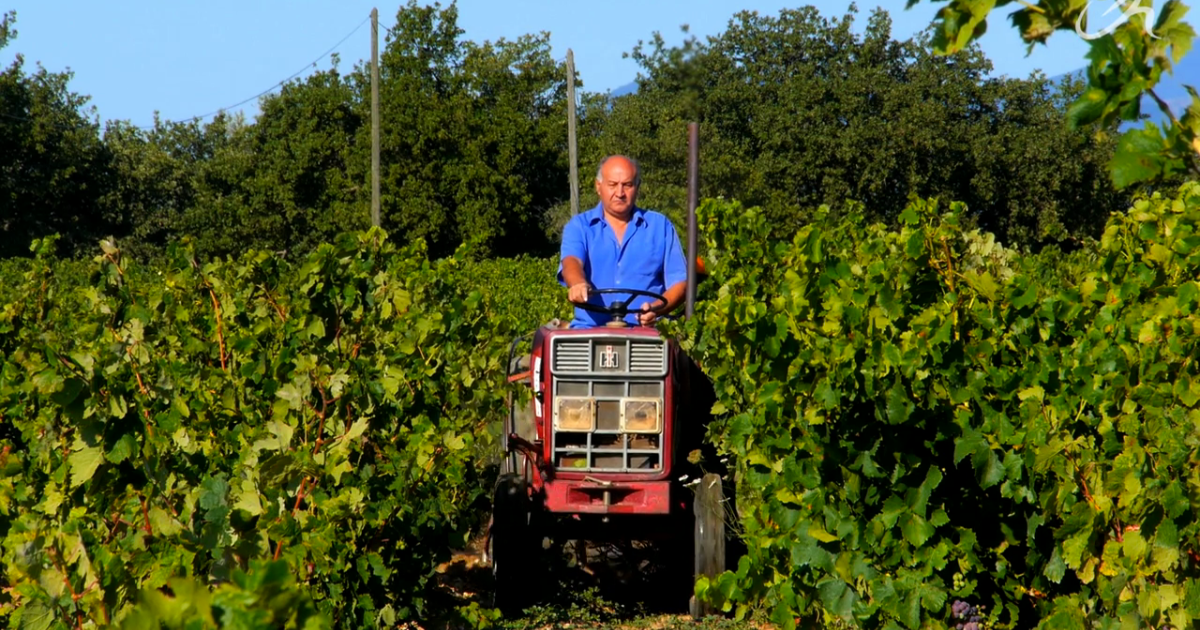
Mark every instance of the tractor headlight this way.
pixel 574 414
pixel 641 415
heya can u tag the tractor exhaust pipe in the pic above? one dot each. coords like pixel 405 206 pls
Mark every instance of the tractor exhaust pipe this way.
pixel 693 201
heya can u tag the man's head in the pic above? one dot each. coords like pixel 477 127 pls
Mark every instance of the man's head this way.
pixel 617 182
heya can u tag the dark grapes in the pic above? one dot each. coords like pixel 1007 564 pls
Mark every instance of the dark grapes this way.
pixel 967 616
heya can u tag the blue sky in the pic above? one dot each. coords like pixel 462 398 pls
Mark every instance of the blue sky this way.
pixel 185 58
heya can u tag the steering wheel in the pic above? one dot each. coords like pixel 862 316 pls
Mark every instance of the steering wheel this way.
pixel 619 308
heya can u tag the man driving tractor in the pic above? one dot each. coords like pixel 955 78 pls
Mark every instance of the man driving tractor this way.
pixel 619 245
pixel 599 448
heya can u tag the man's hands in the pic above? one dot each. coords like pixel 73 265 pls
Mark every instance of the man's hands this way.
pixel 651 310
pixel 579 289
pixel 578 293
pixel 648 314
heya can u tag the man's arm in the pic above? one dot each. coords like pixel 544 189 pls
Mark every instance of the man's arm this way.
pixel 570 265
pixel 576 281
pixel 674 276
pixel 675 295
pixel 674 271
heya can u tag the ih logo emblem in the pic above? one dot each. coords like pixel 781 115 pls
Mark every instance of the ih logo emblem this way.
pixel 608 358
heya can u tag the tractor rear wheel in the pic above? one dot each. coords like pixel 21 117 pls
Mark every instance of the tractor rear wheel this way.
pixel 512 545
pixel 709 511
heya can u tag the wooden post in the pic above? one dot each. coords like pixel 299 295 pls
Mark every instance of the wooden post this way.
pixel 709 511
pixel 572 147
pixel 375 117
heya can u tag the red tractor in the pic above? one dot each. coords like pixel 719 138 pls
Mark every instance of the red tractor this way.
pixel 604 450
pixel 602 453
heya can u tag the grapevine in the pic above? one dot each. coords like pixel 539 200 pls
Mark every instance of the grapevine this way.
pixel 928 430
pixel 319 430
pixel 918 415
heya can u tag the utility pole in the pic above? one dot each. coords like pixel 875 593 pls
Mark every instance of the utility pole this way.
pixel 375 117
pixel 572 148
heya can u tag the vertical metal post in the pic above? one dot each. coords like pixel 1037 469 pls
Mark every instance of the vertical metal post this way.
pixel 693 201
pixel 375 117
pixel 572 146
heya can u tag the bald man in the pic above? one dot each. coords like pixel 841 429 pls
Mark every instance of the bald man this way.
pixel 617 245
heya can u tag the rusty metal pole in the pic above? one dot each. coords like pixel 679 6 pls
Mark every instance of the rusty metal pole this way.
pixel 693 201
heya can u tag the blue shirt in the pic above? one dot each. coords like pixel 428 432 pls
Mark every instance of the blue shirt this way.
pixel 649 258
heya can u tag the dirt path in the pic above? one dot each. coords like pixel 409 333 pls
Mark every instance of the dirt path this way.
pixel 606 587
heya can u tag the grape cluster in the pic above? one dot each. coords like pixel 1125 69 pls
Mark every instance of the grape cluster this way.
pixel 966 616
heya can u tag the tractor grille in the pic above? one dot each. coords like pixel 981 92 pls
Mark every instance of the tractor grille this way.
pixel 608 406
pixel 645 357
pixel 615 356
pixel 572 356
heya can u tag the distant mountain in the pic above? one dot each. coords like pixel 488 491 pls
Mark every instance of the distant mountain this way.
pixel 628 88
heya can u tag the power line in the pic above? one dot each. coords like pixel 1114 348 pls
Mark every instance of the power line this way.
pixel 273 87
pixel 390 30
pixel 240 103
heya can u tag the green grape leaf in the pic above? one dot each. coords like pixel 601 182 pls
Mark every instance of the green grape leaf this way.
pixel 84 461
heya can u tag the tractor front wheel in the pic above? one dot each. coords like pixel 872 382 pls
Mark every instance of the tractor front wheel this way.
pixel 513 546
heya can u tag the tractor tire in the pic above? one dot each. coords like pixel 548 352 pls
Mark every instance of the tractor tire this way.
pixel 513 546
pixel 709 511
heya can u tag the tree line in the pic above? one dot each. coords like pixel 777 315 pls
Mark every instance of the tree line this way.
pixel 796 110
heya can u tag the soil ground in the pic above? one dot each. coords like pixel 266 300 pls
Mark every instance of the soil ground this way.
pixel 592 586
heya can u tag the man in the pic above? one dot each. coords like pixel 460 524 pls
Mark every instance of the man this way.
pixel 617 245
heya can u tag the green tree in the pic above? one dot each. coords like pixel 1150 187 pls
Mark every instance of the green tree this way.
pixel 6 30
pixel 473 149
pixel 53 166
pixel 797 110
pixel 592 118
pixel 282 183
pixel 303 141
pixel 157 178
pixel 473 135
